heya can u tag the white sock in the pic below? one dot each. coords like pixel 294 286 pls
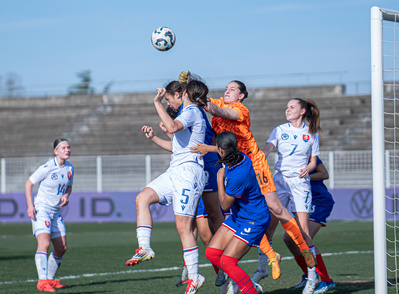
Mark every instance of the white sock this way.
pixel 312 273
pixel 262 258
pixel 144 236
pixel 54 262
pixel 313 248
pixel 41 264
pixel 190 256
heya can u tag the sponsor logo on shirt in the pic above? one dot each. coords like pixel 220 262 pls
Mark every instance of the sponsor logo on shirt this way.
pixel 284 136
pixel 306 138
pixel 54 176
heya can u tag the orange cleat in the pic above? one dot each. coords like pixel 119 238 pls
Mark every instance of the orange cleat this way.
pixel 275 264
pixel 44 285
pixel 56 284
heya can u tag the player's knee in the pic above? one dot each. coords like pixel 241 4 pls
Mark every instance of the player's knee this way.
pixel 213 255
pixel 228 263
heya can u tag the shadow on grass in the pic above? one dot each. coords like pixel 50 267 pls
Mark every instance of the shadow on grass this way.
pixel 15 257
pixel 344 287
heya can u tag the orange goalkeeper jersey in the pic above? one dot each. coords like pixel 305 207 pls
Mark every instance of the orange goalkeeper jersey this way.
pixel 240 127
pixel 246 141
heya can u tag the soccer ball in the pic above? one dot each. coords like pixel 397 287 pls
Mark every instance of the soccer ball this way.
pixel 163 38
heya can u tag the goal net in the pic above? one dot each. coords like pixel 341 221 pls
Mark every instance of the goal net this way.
pixel 385 145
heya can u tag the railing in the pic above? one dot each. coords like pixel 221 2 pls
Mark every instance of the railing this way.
pixel 133 172
pixel 358 87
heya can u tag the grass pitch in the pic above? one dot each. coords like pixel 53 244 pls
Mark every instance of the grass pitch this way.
pixel 96 254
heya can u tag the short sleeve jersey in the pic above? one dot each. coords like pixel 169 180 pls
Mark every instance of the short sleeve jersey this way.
pixel 320 191
pixel 240 127
pixel 241 183
pixel 294 148
pixel 53 181
pixel 193 133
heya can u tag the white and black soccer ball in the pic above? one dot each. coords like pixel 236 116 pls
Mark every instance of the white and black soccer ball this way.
pixel 163 38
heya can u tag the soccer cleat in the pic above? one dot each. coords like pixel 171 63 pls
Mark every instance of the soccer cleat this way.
pixel 310 286
pixel 221 278
pixel 183 279
pixel 309 258
pixel 227 287
pixel 44 285
pixel 193 287
pixel 141 255
pixel 302 283
pixel 257 287
pixel 259 275
pixel 275 264
pixel 324 287
pixel 56 284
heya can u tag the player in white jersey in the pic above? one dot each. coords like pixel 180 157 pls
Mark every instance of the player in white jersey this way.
pixel 297 148
pixel 183 182
pixel 55 179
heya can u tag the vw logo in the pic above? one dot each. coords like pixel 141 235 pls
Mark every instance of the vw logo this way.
pixel 362 203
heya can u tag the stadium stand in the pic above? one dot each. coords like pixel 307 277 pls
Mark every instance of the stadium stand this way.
pixel 110 124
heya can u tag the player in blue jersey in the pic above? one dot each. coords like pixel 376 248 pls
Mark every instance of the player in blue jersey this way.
pixel 322 205
pixel 55 179
pixel 182 183
pixel 297 149
pixel 244 228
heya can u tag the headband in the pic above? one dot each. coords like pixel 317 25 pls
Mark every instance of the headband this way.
pixel 60 143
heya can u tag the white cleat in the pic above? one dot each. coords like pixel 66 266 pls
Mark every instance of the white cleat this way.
pixel 183 279
pixel 310 286
pixel 193 287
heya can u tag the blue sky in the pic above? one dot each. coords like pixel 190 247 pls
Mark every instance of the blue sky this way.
pixel 48 42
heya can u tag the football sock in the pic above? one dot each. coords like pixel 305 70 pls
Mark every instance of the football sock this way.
pixel 190 256
pixel 292 229
pixel 266 248
pixel 54 262
pixel 262 258
pixel 321 268
pixel 214 256
pixel 300 260
pixel 238 275
pixel 41 264
pixel 144 236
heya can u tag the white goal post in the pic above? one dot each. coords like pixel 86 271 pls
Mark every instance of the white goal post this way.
pixel 384 69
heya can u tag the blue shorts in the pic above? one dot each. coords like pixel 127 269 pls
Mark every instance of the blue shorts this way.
pixel 320 213
pixel 246 230
pixel 201 211
pixel 211 171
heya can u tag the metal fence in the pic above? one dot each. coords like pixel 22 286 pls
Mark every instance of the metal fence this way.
pixel 133 172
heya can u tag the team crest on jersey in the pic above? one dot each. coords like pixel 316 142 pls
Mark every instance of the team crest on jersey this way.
pixel 47 224
pixel 54 176
pixel 284 136
pixel 306 138
pixel 69 175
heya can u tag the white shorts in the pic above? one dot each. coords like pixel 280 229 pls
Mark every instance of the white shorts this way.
pixel 181 185
pixel 49 223
pixel 294 192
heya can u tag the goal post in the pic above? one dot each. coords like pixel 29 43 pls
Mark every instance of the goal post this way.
pixel 384 67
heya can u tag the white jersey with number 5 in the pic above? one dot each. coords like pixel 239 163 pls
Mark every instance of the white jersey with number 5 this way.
pixel 192 134
pixel 294 148
pixel 53 181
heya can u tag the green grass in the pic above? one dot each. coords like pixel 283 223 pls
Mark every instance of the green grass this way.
pixel 94 262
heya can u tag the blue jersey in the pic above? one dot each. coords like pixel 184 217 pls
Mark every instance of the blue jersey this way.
pixel 241 183
pixel 320 194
